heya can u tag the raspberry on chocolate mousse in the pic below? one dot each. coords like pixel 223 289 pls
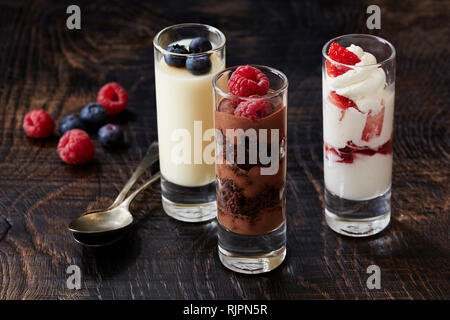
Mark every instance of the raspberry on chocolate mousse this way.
pixel 246 81
pixel 253 109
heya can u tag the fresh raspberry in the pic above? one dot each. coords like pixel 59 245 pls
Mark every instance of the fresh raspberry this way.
pixel 374 125
pixel 342 55
pixel 253 109
pixel 113 98
pixel 246 81
pixel 341 101
pixel 38 124
pixel 76 147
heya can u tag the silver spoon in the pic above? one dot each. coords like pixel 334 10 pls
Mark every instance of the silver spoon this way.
pixel 100 227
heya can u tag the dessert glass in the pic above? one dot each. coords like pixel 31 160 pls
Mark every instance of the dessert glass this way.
pixel 251 188
pixel 358 138
pixel 184 104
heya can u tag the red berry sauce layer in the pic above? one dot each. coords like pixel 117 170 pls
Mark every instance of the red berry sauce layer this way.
pixel 349 153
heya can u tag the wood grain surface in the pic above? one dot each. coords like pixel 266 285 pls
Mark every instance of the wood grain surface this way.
pixel 45 65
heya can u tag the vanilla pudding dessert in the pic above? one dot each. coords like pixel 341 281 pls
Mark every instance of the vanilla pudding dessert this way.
pixel 183 98
pixel 358 119
pixel 358 114
pixel 187 56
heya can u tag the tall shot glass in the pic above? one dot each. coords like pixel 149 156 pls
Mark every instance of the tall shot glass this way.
pixel 185 105
pixel 251 176
pixel 358 121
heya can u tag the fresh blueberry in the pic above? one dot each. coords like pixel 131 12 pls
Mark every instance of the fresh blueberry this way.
pixel 111 136
pixel 198 64
pixel 69 122
pixel 93 115
pixel 173 60
pixel 200 44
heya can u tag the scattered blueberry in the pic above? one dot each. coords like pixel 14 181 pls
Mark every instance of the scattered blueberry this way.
pixel 93 115
pixel 111 136
pixel 69 122
pixel 173 60
pixel 198 64
pixel 200 44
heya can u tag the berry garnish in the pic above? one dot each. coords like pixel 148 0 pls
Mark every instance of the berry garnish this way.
pixel 374 125
pixel 111 136
pixel 174 60
pixel 253 109
pixel 113 98
pixel 76 147
pixel 199 44
pixel 342 55
pixel 38 124
pixel 198 65
pixel 247 81
pixel 226 106
pixel 69 122
pixel 341 101
pixel 93 115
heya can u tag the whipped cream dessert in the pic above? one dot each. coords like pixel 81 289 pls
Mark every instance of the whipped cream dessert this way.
pixel 358 113
pixel 183 96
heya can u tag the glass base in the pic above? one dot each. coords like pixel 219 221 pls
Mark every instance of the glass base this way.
pixel 252 264
pixel 252 254
pixel 358 218
pixel 189 204
pixel 197 212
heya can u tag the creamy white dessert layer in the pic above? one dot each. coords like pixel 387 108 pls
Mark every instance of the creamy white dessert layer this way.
pixel 338 129
pixel 183 98
pixel 366 178
pixel 367 88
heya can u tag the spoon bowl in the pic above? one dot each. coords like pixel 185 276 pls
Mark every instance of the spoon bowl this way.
pixel 103 220
pixel 99 239
pixel 101 227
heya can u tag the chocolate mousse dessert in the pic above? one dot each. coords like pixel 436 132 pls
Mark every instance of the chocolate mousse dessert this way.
pixel 251 122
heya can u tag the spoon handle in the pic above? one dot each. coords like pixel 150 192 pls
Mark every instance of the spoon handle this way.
pixel 150 158
pixel 127 201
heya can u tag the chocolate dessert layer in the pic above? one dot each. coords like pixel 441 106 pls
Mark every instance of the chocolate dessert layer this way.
pixel 250 203
pixel 276 120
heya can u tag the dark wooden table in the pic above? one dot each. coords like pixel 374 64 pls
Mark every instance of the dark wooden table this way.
pixel 45 65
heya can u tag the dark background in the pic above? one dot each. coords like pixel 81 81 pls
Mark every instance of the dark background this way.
pixel 45 65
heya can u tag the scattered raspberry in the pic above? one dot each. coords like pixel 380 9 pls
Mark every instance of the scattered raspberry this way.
pixel 226 106
pixel 113 98
pixel 341 101
pixel 76 147
pixel 342 55
pixel 246 81
pixel 374 125
pixel 38 124
pixel 253 109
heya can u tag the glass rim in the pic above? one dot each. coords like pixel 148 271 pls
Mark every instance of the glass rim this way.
pixel 390 58
pixel 266 96
pixel 210 28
